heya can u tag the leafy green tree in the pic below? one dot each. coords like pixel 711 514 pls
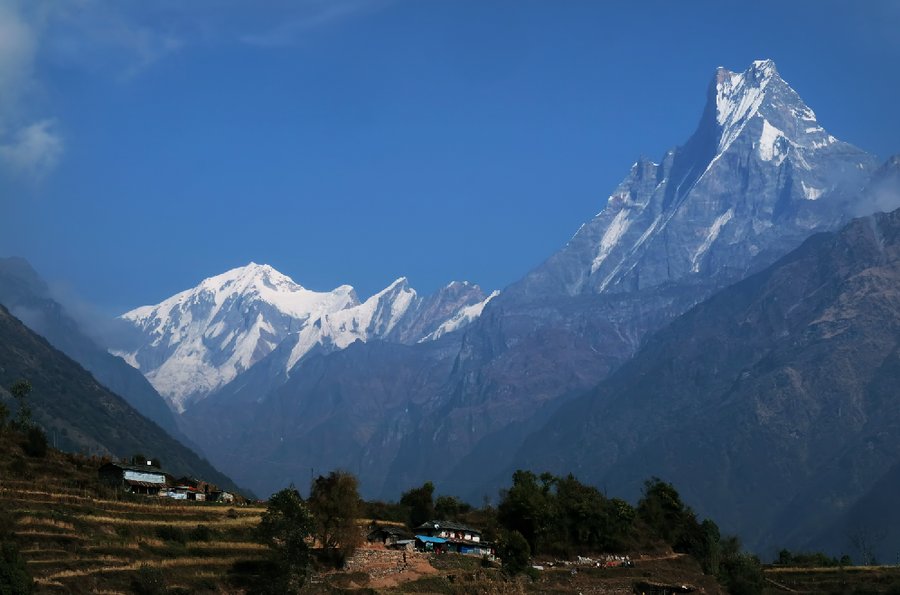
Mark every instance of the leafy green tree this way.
pixel 662 510
pixel 514 551
pixel 450 508
pixel 335 505
pixel 20 391
pixel 741 573
pixel 378 510
pixel 528 507
pixel 420 503
pixel 285 527
pixel 14 577
pixel 620 524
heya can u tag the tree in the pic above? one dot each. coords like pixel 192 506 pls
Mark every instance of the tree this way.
pixel 285 527
pixel 741 573
pixel 450 508
pixel 335 505
pixel 420 503
pixel 20 391
pixel 662 510
pixel 35 442
pixel 14 577
pixel 514 552
pixel 528 507
pixel 4 415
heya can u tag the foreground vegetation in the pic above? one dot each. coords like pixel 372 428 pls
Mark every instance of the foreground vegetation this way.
pixel 63 531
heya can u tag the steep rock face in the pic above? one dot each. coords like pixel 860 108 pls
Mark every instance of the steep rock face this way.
pixel 198 341
pixel 772 405
pixel 81 415
pixel 338 410
pixel 757 177
pixel 28 298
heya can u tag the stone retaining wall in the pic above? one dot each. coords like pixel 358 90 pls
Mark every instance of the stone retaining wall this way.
pixel 379 563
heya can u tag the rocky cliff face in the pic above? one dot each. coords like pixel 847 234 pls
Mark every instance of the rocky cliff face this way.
pixel 772 405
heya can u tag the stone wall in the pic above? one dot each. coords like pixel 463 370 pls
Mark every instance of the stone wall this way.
pixel 379 563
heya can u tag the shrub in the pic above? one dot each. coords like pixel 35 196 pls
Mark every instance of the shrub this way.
pixel 14 577
pixel 35 442
pixel 149 581
pixel 201 533
pixel 19 468
pixel 171 533
pixel 515 552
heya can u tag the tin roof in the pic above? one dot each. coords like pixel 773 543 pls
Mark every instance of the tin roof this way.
pixel 143 484
pixel 449 525
pixel 427 539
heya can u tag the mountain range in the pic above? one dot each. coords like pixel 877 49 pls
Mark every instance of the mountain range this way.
pixel 725 321
pixel 275 374
pixel 201 339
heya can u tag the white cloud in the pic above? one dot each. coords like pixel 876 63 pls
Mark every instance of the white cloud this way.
pixel 29 145
pixel 33 150
pixel 307 15
pixel 120 40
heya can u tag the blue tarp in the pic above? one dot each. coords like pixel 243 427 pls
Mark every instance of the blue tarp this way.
pixel 426 539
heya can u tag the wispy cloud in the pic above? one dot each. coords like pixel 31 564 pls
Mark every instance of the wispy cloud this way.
pixel 120 40
pixel 28 146
pixel 112 39
pixel 97 36
pixel 33 150
pixel 309 15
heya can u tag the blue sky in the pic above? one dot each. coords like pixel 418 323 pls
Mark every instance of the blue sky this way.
pixel 147 145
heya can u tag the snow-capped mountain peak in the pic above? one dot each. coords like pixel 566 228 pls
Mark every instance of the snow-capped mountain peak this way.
pixel 200 339
pixel 758 176
pixel 739 96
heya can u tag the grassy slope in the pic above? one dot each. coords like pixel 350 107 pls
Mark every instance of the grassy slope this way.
pixel 77 536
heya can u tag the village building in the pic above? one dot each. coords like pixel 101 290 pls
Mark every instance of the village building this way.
pixel 388 535
pixel 443 536
pixel 134 479
pixel 198 485
pixel 220 496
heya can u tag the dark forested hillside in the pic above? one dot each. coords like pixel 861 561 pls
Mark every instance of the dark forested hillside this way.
pixel 28 298
pixel 78 413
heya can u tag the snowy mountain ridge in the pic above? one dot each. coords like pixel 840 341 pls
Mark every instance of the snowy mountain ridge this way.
pixel 759 175
pixel 198 340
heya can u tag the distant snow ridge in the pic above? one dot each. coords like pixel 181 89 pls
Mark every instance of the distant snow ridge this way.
pixel 200 339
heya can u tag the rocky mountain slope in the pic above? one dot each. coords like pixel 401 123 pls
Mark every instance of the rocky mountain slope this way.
pixel 81 415
pixel 201 339
pixel 28 298
pixel 772 405
pixel 758 176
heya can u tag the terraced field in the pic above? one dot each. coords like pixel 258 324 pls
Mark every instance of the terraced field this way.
pixel 78 536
